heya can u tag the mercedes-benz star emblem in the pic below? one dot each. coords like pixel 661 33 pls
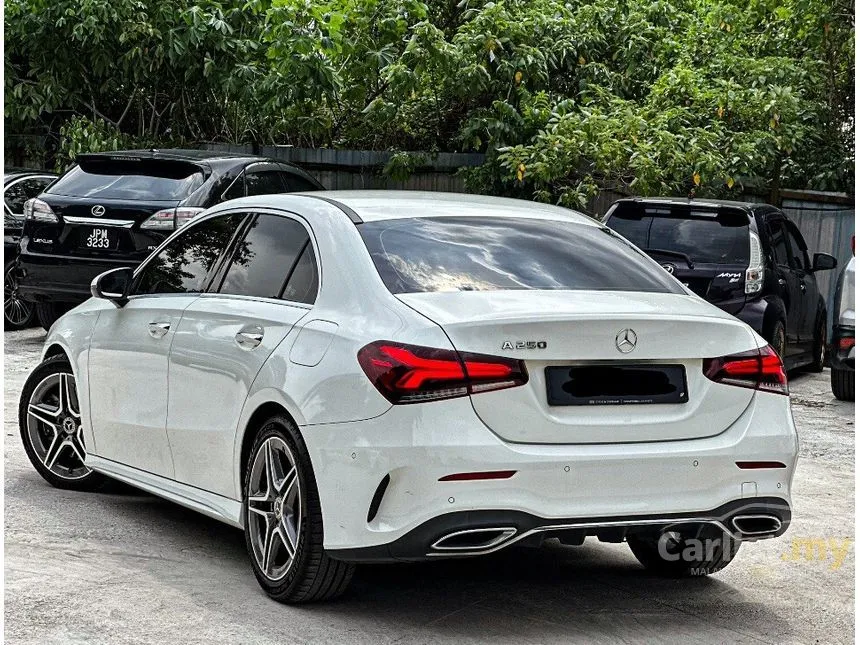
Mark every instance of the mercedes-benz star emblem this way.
pixel 670 268
pixel 625 341
pixel 98 210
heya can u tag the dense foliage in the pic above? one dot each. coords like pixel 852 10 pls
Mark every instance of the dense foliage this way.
pixel 566 98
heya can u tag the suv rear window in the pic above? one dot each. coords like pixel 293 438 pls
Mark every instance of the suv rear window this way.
pixel 503 253
pixel 132 181
pixel 709 238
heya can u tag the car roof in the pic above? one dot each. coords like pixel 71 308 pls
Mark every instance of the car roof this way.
pixel 376 205
pixel 15 173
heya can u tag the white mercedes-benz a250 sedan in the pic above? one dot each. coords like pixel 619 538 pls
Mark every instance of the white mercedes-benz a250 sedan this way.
pixel 379 376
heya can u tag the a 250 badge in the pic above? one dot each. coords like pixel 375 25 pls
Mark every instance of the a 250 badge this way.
pixel 524 344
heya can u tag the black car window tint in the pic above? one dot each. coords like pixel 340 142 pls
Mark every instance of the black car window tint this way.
pixel 799 259
pixel 303 282
pixel 182 266
pixel 263 182
pixel 264 257
pixel 20 191
pixel 296 184
pixel 236 189
pixel 778 242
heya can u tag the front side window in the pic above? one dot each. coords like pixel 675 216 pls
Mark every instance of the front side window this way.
pixel 501 253
pixel 266 256
pixel 799 259
pixel 182 265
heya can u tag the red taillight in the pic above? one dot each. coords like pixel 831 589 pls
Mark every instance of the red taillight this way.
pixel 846 343
pixel 759 369
pixel 412 374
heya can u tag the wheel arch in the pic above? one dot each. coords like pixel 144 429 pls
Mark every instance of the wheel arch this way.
pixel 774 312
pixel 55 349
pixel 257 408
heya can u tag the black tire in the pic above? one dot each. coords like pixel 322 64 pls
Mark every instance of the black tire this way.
pixel 67 470
pixel 776 337
pixel 715 550
pixel 819 346
pixel 311 574
pixel 49 312
pixel 842 384
pixel 17 313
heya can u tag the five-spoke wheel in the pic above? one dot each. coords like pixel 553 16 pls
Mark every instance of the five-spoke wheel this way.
pixel 283 519
pixel 51 428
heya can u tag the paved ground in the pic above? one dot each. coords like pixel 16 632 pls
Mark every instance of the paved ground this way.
pixel 130 568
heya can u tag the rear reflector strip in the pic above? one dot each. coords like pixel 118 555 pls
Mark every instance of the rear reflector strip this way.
pixel 751 465
pixel 489 474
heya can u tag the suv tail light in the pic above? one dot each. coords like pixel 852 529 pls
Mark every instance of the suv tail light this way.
pixel 413 374
pixel 758 369
pixel 170 219
pixel 755 272
pixel 39 211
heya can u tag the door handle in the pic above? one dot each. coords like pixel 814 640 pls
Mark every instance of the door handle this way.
pixel 802 287
pixel 249 337
pixel 781 282
pixel 158 329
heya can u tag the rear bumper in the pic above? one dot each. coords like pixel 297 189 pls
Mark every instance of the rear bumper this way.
pixel 469 533
pixel 48 278
pixel 842 358
pixel 554 485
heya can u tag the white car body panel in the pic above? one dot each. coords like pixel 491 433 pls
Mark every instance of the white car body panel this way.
pixel 171 417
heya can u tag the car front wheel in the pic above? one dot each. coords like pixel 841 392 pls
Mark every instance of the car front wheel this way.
pixel 842 384
pixel 49 419
pixel 283 520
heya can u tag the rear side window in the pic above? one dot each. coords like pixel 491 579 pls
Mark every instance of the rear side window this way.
pixel 131 181
pixel 296 184
pixel 264 182
pixel 266 257
pixel 21 190
pixel 182 266
pixel 778 242
pixel 495 253
pixel 708 239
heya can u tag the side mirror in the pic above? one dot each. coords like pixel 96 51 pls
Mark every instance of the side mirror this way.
pixel 823 262
pixel 113 285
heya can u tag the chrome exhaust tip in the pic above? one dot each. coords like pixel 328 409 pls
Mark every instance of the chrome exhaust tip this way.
pixel 474 539
pixel 756 525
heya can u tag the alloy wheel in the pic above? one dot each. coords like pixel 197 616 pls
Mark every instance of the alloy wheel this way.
pixel 16 311
pixel 54 426
pixel 274 516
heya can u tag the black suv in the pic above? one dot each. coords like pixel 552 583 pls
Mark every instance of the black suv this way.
pixel 19 185
pixel 747 259
pixel 112 209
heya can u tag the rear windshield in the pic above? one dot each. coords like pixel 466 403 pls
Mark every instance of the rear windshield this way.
pixel 501 253
pixel 709 239
pixel 132 183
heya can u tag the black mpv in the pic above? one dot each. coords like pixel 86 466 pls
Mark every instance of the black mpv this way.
pixel 113 208
pixel 748 259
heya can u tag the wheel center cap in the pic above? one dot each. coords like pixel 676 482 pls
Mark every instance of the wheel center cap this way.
pixel 279 503
pixel 69 425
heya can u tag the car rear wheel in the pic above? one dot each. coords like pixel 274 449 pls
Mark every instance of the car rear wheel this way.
pixel 49 419
pixel 17 313
pixel 842 384
pixel 283 519
pixel 49 312
pixel 776 338
pixel 684 553
pixel 819 346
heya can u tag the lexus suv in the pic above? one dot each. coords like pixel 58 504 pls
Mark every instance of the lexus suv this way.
pixel 363 376
pixel 842 353
pixel 114 208
pixel 19 185
pixel 748 259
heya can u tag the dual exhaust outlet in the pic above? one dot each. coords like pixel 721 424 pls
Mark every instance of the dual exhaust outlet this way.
pixel 749 527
